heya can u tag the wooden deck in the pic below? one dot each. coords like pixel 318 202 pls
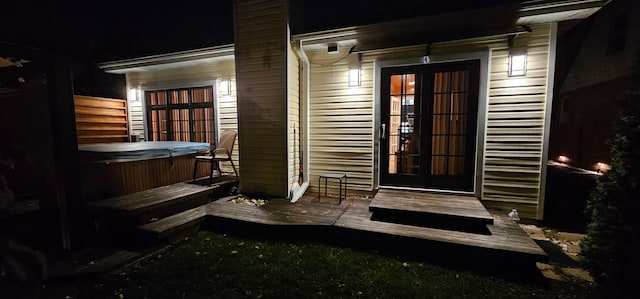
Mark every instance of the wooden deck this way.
pixel 279 212
pixel 431 204
pixel 352 216
pixel 503 235
pixel 506 235
pixel 138 202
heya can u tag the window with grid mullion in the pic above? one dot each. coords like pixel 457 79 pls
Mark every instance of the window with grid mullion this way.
pixel 184 114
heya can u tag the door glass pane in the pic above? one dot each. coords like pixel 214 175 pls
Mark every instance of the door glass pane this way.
pixel 404 125
pixel 450 114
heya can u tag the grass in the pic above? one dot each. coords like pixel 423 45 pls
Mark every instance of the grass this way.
pixel 216 265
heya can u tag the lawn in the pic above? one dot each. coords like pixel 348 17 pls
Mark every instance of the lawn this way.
pixel 218 265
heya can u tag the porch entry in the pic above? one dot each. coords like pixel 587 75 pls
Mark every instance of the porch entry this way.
pixel 428 125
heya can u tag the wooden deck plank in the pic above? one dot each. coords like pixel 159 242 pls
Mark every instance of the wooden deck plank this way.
pixel 138 202
pixel 430 203
pixel 278 212
pixel 168 225
pixel 506 235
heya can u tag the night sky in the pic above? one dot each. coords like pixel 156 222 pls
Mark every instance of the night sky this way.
pixel 112 30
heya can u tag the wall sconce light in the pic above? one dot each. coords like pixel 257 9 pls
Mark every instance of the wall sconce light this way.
pixel 355 70
pixel 517 63
pixel 602 167
pixel 225 87
pixel 427 54
pixel 134 94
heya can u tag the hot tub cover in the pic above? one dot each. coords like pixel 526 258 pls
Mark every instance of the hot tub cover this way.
pixel 134 151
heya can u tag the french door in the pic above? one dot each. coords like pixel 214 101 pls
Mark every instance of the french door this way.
pixel 428 134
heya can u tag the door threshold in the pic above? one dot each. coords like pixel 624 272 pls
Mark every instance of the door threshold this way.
pixel 468 193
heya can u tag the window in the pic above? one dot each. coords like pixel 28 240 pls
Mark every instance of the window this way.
pixel 183 114
pixel 618 35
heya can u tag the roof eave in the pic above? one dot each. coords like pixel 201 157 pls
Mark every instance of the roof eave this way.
pixel 168 59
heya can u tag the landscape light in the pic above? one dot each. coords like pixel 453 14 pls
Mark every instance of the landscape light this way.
pixel 563 159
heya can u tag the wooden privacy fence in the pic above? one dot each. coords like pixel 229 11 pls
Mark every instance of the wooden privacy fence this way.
pixel 101 120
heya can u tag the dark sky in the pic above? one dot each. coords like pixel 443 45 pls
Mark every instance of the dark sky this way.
pixel 111 30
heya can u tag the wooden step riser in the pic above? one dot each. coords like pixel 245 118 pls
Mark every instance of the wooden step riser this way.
pixel 439 221
pixel 122 219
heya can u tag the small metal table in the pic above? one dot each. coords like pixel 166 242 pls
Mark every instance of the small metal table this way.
pixel 337 176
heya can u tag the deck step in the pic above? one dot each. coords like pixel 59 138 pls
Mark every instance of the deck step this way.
pixel 140 203
pixel 118 220
pixel 445 211
pixel 172 225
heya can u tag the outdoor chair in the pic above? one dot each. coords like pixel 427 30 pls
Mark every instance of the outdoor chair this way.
pixel 222 152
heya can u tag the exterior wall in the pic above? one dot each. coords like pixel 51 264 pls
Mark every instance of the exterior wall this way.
pixel 261 52
pixel 516 119
pixel 295 130
pixel 593 64
pixel 226 106
pixel 340 120
pixel 342 134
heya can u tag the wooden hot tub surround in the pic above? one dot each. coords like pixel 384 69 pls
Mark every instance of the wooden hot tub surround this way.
pixel 116 169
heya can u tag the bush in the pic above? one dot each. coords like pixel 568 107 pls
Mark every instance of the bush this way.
pixel 611 248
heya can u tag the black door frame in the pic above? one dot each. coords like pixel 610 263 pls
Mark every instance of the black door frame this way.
pixel 424 91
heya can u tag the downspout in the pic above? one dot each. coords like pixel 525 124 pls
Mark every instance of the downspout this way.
pixel 299 190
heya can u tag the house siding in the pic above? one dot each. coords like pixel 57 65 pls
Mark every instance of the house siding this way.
pixel 515 122
pixel 225 105
pixel 341 118
pixel 261 51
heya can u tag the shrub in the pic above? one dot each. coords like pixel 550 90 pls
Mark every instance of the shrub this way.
pixel 611 248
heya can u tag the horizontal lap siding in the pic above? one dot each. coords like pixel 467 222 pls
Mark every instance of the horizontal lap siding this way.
pixel 515 127
pixel 340 121
pixel 226 106
pixel 261 70
pixel 136 118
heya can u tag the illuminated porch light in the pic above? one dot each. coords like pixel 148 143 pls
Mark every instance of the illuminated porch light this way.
pixel 134 94
pixel 517 63
pixel 225 87
pixel 602 167
pixel 355 70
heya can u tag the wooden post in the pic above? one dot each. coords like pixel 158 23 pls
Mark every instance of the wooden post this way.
pixel 65 148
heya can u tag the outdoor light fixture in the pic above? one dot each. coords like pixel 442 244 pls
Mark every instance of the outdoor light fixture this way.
pixel 134 94
pixel 517 63
pixel 563 159
pixel 427 54
pixel 225 87
pixel 332 48
pixel 354 69
pixel 602 167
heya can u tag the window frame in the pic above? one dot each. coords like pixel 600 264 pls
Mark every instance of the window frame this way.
pixel 168 107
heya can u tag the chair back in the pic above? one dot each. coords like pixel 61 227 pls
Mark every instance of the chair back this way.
pixel 227 141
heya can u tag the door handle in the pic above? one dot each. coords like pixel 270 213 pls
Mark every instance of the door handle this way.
pixel 383 135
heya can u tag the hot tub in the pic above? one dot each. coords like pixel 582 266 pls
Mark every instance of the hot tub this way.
pixel 113 169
